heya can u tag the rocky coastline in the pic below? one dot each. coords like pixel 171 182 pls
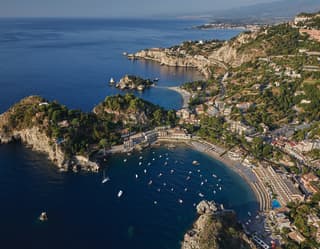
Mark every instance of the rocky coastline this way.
pixel 202 55
pixel 32 129
pixel 40 142
pixel 215 228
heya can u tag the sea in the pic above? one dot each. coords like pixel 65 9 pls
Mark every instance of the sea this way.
pixel 72 61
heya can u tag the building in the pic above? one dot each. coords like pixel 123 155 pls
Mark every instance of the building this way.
pixel 212 111
pixel 241 129
pixel 296 236
pixel 308 180
pixel 244 106
pixel 200 109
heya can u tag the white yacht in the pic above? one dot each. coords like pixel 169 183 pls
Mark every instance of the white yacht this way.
pixel 105 178
pixel 120 193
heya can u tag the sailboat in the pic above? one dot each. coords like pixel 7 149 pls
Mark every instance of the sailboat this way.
pixel 105 178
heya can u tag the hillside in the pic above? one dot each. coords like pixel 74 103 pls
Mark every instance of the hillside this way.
pixel 134 112
pixel 217 56
pixel 69 137
pixel 215 229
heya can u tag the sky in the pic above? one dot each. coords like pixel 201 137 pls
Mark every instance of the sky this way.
pixel 114 8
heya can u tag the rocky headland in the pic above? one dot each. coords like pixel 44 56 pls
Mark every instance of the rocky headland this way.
pixel 71 138
pixel 35 123
pixel 203 55
pixel 215 229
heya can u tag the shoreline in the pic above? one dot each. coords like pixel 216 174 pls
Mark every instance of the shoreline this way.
pixel 224 160
pixel 186 96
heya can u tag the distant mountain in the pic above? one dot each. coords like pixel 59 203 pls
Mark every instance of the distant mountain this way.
pixel 277 10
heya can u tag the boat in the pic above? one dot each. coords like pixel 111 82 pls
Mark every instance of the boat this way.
pixel 185 190
pixel 112 81
pixel 190 172
pixel 125 53
pixel 160 174
pixel 43 216
pixel 180 201
pixel 188 178
pixel 171 171
pixel 214 192
pixel 165 163
pixel 140 157
pixel 213 175
pixel 105 178
pixel 201 195
pixel 198 170
pixel 172 189
pixel 195 162
pixel 155 202
pixel 150 182
pixel 201 183
pixel 137 176
pixel 156 79
pixel 149 164
pixel 153 159
pixel 158 189
pixel 164 184
pixel 120 193
pixel 145 171
pixel 140 163
pixel 220 188
pixel 249 213
pixel 125 160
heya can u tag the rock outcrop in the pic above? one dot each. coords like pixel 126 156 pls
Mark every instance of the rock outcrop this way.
pixel 215 229
pixel 15 125
pixel 132 82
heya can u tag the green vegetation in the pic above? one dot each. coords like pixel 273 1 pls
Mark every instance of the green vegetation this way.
pixel 196 48
pixel 223 231
pixel 299 216
pixel 81 133
pixel 135 113
pixel 76 132
pixel 280 39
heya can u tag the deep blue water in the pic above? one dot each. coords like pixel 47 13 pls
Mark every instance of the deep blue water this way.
pixel 72 61
pixel 83 213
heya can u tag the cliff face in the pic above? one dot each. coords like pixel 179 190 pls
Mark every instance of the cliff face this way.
pixel 215 230
pixel 164 57
pixel 230 52
pixel 21 122
pixel 226 55
pixel 39 141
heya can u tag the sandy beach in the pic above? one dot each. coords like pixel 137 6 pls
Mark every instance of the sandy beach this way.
pixel 184 94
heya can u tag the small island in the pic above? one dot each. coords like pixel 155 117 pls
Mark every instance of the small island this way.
pixel 133 82
pixel 216 228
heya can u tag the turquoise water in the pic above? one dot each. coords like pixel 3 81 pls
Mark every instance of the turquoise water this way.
pixel 275 204
pixel 71 60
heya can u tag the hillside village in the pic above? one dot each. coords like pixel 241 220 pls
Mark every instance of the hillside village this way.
pixel 258 108
pixel 261 103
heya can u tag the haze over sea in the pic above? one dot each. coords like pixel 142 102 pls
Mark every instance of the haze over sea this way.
pixel 72 60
